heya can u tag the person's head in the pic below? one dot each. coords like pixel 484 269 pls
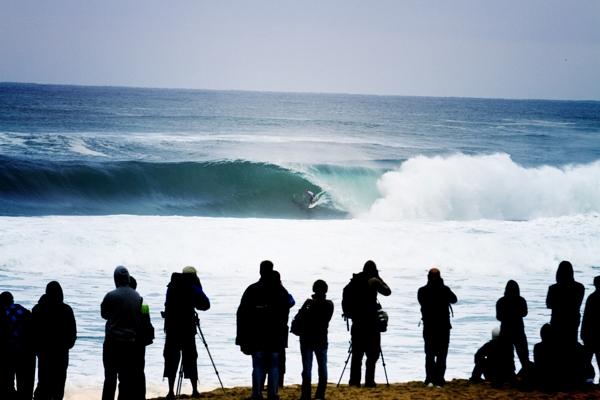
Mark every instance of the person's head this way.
pixel 276 277
pixel 370 269
pixel 546 332
pixel 54 292
pixel 597 282
pixel 189 270
pixel 512 288
pixel 6 299
pixel 496 332
pixel 121 276
pixel 434 275
pixel 564 273
pixel 266 268
pixel 320 287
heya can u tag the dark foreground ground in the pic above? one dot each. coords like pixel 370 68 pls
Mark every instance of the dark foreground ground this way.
pixel 456 389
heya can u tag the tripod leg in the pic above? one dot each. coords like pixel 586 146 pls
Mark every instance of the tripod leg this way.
pixel 384 368
pixel 345 364
pixel 180 378
pixel 208 352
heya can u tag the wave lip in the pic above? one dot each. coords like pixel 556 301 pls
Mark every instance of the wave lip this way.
pixel 464 187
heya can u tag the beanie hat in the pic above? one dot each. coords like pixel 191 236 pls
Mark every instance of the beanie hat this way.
pixel 495 332
pixel 189 270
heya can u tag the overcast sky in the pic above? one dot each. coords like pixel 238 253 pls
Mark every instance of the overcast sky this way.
pixel 506 48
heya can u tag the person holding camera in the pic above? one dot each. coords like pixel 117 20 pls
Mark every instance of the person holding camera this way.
pixel 360 304
pixel 184 297
pixel 436 299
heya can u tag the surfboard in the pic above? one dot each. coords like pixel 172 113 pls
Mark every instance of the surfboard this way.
pixel 316 200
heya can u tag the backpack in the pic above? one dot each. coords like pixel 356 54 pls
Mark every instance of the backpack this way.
pixel 301 322
pixel 146 334
pixel 350 298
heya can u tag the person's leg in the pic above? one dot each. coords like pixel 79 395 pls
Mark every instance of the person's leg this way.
pixel 127 370
pixel 373 351
pixel 321 356
pixel 60 376
pixel 172 355
pixel 520 343
pixel 307 359
pixel 258 373
pixel 273 380
pixel 25 375
pixel 110 372
pixel 358 351
pixel 442 354
pixel 429 357
pixel 190 362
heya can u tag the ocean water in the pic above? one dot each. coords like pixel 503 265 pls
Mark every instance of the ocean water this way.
pixel 488 190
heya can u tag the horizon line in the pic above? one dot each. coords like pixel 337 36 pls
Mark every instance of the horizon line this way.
pixel 292 92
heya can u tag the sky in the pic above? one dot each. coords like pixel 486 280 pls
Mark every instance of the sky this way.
pixel 501 49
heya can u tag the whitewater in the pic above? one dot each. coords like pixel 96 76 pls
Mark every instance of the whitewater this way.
pixel 487 190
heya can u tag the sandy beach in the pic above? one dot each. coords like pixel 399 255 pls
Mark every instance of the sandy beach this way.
pixel 455 389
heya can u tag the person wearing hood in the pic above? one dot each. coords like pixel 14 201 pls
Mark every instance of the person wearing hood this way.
pixel 262 318
pixel 564 299
pixel 55 333
pixel 510 311
pixel 121 308
pixel 436 299
pixel 361 305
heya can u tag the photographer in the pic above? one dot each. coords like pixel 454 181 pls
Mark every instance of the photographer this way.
pixel 360 304
pixel 184 297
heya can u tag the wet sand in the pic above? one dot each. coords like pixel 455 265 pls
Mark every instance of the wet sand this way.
pixel 456 389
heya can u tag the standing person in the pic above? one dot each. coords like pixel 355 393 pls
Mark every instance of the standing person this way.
pixel 590 326
pixel 18 358
pixel 55 333
pixel 436 299
pixel 262 328
pixel 121 308
pixel 510 311
pixel 315 315
pixel 184 297
pixel 564 299
pixel 361 305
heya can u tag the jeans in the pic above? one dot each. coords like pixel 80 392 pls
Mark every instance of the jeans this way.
pixel 436 351
pixel 263 363
pixel 307 358
pixel 366 340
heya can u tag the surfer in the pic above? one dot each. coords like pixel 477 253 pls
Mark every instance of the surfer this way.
pixel 313 199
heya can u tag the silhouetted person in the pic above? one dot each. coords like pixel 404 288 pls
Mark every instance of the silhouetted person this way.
pixel 366 335
pixel 510 311
pixel 55 333
pixel 557 366
pixel 435 299
pixel 495 361
pixel 564 299
pixel 316 314
pixel 590 326
pixel 262 328
pixel 17 356
pixel 282 354
pixel 184 297
pixel 122 310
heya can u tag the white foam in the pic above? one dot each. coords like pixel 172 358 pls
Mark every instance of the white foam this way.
pixel 78 145
pixel 462 187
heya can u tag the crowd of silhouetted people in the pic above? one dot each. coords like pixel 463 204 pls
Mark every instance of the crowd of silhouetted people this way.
pixel 48 332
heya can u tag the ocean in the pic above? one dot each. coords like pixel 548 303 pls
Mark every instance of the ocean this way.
pixel 157 179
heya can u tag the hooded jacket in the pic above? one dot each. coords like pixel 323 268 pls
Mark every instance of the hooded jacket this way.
pixel 565 296
pixel 122 309
pixel 53 321
pixel 511 308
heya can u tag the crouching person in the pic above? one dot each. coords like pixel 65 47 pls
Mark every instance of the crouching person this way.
pixel 495 361
pixel 184 297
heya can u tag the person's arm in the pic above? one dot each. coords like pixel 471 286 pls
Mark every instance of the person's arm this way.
pixel 499 310
pixel 452 299
pixel 71 328
pixel 201 301
pixel 524 310
pixel 585 321
pixel 550 298
pixel 380 286
pixel 105 309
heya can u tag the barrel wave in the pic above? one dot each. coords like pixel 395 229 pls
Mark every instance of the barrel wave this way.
pixel 223 188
